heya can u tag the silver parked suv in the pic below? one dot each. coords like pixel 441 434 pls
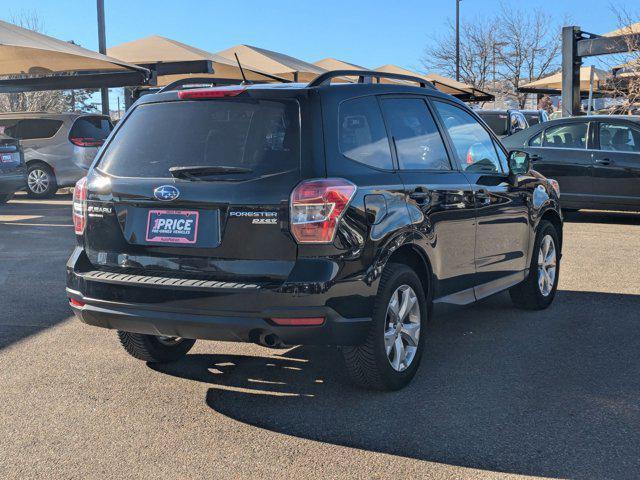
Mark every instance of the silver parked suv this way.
pixel 58 147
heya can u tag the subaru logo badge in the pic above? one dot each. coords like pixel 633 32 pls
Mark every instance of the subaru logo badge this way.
pixel 166 193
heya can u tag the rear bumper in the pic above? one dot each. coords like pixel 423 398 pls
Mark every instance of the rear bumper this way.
pixel 227 312
pixel 336 330
pixel 12 183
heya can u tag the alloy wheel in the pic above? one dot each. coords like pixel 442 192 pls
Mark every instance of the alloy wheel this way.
pixel 38 181
pixel 547 261
pixel 402 328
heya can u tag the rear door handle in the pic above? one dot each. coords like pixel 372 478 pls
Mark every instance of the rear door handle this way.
pixel 603 161
pixel 534 157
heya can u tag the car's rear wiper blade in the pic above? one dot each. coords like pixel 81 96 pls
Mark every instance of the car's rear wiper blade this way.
pixel 195 172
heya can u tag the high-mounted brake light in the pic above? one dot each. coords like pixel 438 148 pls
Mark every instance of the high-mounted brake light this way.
pixel 80 206
pixel 209 93
pixel 317 207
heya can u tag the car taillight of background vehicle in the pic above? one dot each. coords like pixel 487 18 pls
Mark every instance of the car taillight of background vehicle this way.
pixel 316 208
pixel 86 142
pixel 80 206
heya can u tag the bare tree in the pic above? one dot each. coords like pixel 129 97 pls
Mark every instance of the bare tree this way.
pixel 477 46
pixel 530 50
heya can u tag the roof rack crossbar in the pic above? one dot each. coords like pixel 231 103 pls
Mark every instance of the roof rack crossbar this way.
pixel 367 76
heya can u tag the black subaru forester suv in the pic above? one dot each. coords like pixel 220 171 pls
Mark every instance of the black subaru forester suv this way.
pixel 328 213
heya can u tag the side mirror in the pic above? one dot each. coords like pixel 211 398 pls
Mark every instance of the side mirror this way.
pixel 519 163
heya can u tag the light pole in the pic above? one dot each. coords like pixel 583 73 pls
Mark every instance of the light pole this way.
pixel 458 40
pixel 102 48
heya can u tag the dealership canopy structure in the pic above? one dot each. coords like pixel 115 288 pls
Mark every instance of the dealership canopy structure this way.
pixel 157 50
pixel 274 63
pixel 552 84
pixel 31 61
pixel 444 84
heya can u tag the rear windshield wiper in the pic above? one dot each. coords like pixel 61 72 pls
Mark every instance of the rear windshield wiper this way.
pixel 195 172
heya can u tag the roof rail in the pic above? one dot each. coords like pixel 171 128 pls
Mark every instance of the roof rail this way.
pixel 366 76
pixel 195 82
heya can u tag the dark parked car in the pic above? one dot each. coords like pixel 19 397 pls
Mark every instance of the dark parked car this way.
pixel 596 159
pixel 535 117
pixel 504 122
pixel 13 172
pixel 331 214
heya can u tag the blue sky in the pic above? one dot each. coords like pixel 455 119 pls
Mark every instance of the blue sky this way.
pixel 369 33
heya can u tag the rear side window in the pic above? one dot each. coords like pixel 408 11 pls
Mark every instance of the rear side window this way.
pixel 473 144
pixel 35 128
pixel 619 138
pixel 416 136
pixel 95 128
pixel 572 135
pixel 261 135
pixel 363 137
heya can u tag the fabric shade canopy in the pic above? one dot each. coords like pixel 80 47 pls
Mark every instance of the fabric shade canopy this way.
pixel 629 29
pixel 25 52
pixel 274 63
pixel 444 84
pixel 553 83
pixel 31 61
pixel 156 49
pixel 334 64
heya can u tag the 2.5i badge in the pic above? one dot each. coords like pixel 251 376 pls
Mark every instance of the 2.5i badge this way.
pixel 172 226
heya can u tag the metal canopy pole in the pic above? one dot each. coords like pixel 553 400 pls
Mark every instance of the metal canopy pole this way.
pixel 457 40
pixel 102 48
pixel 570 71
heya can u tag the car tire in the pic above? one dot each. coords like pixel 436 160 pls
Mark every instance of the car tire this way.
pixel 377 363
pixel 154 349
pixel 538 290
pixel 41 181
pixel 6 198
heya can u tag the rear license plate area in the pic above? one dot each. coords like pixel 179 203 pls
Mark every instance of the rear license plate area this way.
pixel 170 227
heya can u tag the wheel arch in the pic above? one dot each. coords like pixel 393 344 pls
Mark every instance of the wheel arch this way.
pixel 38 161
pixel 553 217
pixel 410 255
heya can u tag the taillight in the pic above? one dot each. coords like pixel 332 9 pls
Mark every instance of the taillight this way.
pixel 80 206
pixel 316 208
pixel 209 93
pixel 86 141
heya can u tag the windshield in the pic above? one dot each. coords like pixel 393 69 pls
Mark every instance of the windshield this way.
pixel 496 121
pixel 261 136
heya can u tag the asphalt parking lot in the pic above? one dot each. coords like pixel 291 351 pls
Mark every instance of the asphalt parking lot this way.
pixel 501 393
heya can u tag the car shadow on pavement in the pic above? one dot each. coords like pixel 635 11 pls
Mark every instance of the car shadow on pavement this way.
pixel 593 216
pixel 553 393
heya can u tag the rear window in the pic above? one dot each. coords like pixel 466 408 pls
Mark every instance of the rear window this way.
pixel 97 128
pixel 498 122
pixel 262 135
pixel 532 118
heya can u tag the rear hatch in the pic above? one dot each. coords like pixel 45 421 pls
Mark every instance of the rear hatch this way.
pixel 11 161
pixel 198 188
